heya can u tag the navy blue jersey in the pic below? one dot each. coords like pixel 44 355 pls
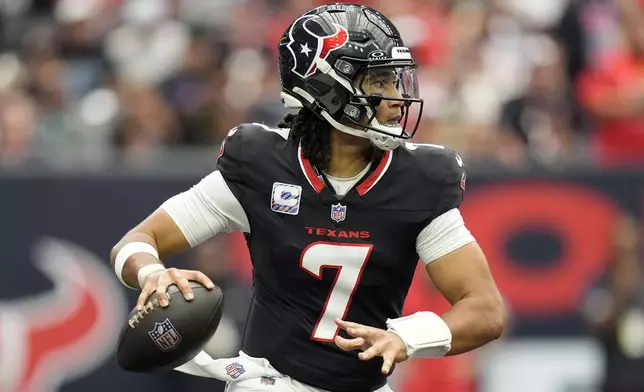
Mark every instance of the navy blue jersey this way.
pixel 317 257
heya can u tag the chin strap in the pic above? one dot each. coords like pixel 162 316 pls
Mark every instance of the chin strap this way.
pixel 379 140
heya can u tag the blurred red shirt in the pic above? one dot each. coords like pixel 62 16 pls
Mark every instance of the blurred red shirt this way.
pixel 617 140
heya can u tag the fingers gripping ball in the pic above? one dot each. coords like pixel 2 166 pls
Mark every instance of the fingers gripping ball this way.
pixel 162 338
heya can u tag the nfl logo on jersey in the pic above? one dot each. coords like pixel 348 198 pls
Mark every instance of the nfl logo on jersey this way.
pixel 165 336
pixel 235 370
pixel 338 212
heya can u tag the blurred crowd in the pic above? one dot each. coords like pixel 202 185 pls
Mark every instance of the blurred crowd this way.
pixel 514 82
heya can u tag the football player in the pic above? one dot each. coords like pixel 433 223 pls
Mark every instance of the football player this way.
pixel 337 207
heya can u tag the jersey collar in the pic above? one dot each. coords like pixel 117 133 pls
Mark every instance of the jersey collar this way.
pixel 364 186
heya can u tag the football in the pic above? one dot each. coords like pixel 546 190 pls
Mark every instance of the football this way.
pixel 158 338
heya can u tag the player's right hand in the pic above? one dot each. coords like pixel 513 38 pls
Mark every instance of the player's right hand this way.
pixel 158 282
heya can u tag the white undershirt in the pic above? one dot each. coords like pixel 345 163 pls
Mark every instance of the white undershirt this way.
pixel 209 208
pixel 342 185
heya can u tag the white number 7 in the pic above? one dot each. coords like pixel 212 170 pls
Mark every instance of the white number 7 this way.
pixel 349 260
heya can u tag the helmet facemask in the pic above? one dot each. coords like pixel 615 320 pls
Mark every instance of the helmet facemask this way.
pixel 386 100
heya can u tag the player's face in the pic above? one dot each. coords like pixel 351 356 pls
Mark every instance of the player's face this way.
pixel 385 82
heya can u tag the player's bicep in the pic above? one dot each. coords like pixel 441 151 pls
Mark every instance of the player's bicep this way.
pixel 443 235
pixel 463 273
pixel 206 210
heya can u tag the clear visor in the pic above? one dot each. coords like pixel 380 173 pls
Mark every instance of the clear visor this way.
pixel 391 100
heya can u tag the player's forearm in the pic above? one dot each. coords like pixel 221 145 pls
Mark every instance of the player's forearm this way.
pixel 161 234
pixel 136 261
pixel 474 322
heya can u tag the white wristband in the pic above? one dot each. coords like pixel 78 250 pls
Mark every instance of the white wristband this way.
pixel 425 334
pixel 147 270
pixel 127 251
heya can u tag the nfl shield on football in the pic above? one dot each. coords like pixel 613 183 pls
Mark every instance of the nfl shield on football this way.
pixel 158 338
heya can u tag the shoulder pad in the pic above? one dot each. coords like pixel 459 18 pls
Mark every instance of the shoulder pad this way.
pixel 256 132
pixel 435 160
pixel 245 145
pixel 249 137
pixel 268 132
pixel 443 166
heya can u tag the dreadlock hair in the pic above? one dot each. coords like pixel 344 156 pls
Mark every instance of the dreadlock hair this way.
pixel 313 133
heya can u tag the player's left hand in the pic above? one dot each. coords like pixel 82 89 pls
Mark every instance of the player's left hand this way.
pixel 373 342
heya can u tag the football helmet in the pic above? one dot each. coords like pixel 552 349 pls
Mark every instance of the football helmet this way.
pixel 325 57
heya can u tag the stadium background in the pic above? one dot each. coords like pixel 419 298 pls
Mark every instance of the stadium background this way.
pixel 108 107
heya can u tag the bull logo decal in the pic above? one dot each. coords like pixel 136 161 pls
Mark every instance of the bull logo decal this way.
pixel 308 42
pixel 51 338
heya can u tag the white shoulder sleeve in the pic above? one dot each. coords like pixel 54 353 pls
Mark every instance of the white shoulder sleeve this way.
pixel 207 209
pixel 443 235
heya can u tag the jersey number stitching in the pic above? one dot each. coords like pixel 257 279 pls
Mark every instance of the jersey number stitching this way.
pixel 349 260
